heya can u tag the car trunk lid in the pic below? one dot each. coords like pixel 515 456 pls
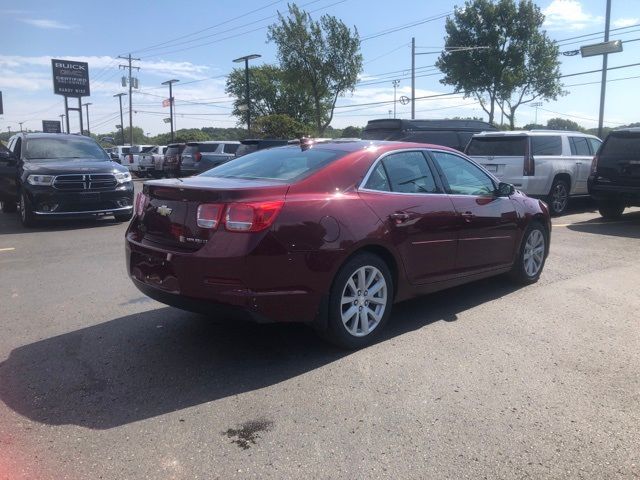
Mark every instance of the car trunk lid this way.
pixel 170 213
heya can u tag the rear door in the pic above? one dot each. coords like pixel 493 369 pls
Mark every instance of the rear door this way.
pixel 488 222
pixel 407 197
pixel 619 159
pixel 582 156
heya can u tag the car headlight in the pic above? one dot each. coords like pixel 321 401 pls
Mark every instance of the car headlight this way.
pixel 123 177
pixel 41 179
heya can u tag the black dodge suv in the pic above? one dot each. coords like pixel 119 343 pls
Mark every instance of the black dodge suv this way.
pixel 52 175
pixel 615 173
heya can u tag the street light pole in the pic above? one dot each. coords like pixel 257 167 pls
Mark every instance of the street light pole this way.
pixel 246 59
pixel 170 83
pixel 120 95
pixel 603 86
pixel 20 126
pixel 413 78
pixel 61 122
pixel 396 84
pixel 86 105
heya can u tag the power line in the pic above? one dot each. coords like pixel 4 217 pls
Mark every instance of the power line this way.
pixel 405 26
pixel 597 33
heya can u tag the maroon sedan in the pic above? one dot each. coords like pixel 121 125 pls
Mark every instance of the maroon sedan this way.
pixel 331 234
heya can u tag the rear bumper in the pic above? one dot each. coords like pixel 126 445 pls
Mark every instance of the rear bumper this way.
pixel 220 286
pixel 629 195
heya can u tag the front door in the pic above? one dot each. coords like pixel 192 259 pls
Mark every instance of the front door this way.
pixel 421 220
pixel 488 222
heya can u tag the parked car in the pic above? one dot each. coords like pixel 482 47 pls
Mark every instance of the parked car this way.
pixel 549 164
pixel 450 133
pixel 132 159
pixel 147 161
pixel 170 164
pixel 198 157
pixel 331 234
pixel 615 173
pixel 253 145
pixel 53 175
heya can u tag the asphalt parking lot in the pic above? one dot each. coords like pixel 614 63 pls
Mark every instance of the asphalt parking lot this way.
pixel 482 381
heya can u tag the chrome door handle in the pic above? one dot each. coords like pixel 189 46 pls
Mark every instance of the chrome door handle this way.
pixel 467 216
pixel 399 216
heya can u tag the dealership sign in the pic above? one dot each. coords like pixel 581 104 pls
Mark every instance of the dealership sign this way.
pixel 51 126
pixel 70 79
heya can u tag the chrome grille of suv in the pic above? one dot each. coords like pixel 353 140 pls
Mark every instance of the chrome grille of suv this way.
pixel 94 181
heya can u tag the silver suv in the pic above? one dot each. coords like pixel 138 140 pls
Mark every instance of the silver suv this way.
pixel 549 164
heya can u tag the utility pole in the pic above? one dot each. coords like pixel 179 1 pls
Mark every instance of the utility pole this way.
pixel 62 122
pixel 413 78
pixel 9 128
pixel 20 126
pixel 246 59
pixel 170 83
pixel 603 85
pixel 536 105
pixel 86 105
pixel 120 95
pixel 396 84
pixel 129 66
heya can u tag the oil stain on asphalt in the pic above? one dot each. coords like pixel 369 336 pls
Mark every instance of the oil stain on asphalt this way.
pixel 249 432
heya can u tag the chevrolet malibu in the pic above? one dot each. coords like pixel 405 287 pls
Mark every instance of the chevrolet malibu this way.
pixel 331 234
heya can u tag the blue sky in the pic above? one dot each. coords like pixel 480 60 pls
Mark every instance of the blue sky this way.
pixel 195 42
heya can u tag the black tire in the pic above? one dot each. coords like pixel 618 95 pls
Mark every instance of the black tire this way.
pixel 8 206
pixel 27 217
pixel 558 198
pixel 521 272
pixel 611 209
pixel 337 331
pixel 125 217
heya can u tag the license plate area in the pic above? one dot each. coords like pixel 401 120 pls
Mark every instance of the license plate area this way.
pixel 491 168
pixel 89 197
pixel 155 269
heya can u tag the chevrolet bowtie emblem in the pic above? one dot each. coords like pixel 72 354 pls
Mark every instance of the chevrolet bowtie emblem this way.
pixel 164 210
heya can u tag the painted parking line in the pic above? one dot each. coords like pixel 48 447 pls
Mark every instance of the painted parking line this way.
pixel 8 249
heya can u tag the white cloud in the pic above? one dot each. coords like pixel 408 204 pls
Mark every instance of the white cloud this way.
pixel 568 15
pixel 46 23
pixel 625 22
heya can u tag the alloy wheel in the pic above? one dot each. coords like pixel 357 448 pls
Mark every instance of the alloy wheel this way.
pixel 560 197
pixel 534 250
pixel 363 301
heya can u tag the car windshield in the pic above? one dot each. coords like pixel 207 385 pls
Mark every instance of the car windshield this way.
pixel 285 163
pixel 62 148
pixel 621 147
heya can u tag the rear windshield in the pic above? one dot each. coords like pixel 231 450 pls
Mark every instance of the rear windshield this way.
pixel 436 137
pixel 58 148
pixel 546 145
pixel 621 147
pixel 497 146
pixel 284 163
pixel 231 147
pixel 174 150
pixel 244 149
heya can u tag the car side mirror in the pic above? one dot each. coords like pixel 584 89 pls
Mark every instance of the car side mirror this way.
pixel 505 190
pixel 8 157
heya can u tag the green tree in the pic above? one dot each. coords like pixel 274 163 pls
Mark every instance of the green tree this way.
pixel 564 124
pixel 280 126
pixel 351 132
pixel 516 64
pixel 534 126
pixel 320 57
pixel 272 93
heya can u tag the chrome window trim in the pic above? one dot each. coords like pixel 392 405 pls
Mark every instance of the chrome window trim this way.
pixel 361 186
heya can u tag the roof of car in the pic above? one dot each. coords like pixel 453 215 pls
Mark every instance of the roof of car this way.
pixel 208 142
pixel 350 145
pixel 51 135
pixel 627 130
pixel 526 133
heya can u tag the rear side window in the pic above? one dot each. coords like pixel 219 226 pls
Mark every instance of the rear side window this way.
pixel 546 145
pixel 244 149
pixel 579 146
pixel 621 147
pixel 595 144
pixel 404 172
pixel 190 150
pixel 231 147
pixel 504 146
pixel 286 163
pixel 444 138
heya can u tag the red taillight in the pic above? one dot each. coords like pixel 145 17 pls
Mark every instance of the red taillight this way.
pixel 197 156
pixel 529 169
pixel 141 203
pixel 594 165
pixel 209 214
pixel 251 217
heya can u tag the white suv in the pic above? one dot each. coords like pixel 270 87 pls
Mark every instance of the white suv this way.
pixel 551 164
